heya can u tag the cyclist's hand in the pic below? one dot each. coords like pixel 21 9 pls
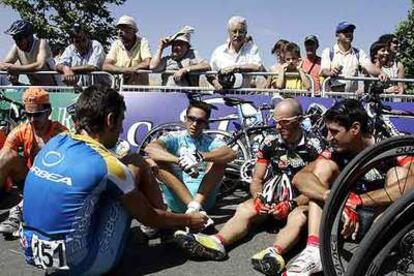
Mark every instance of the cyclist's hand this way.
pixel 260 207
pixel 326 195
pixel 354 201
pixel 281 210
pixel 196 221
pixel 350 220
pixel 188 163
pixel 179 75
pixel 383 77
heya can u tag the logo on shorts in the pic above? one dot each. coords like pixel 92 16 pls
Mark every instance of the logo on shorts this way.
pixel 52 158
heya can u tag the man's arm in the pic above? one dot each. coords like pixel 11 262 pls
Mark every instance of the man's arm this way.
pixel 139 207
pixel 280 79
pixel 157 152
pixel 221 155
pixel 256 186
pixel 38 65
pixel 315 179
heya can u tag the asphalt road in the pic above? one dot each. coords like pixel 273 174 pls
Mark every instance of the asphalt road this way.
pixel 144 257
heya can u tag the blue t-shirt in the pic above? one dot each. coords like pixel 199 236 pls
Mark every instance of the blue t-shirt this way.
pixel 178 142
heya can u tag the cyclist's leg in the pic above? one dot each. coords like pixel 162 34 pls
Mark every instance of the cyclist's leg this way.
pixel 12 165
pixel 207 192
pixel 177 194
pixel 145 180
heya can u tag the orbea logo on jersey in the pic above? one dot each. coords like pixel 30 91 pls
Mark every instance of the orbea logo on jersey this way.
pixel 51 176
pixel 52 158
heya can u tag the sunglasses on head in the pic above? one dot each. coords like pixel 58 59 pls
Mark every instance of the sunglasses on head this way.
pixel 193 119
pixel 35 114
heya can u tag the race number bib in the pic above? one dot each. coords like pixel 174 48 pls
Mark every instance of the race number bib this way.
pixel 49 254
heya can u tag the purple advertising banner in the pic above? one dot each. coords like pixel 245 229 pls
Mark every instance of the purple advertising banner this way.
pixel 146 110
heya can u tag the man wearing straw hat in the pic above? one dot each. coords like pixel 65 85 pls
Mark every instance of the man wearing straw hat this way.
pixel 183 59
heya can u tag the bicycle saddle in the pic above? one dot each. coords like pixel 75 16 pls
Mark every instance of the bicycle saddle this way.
pixel 235 101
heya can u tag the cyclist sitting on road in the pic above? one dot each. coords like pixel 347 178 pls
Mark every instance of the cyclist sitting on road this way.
pixel 284 154
pixel 349 133
pixel 31 137
pixel 184 59
pixel 76 218
pixel 201 160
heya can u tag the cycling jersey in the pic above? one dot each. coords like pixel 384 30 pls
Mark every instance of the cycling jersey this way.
pixel 286 160
pixel 23 136
pixel 72 216
pixel 178 142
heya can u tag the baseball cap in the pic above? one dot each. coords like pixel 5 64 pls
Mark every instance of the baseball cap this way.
pixel 35 96
pixel 127 20
pixel 311 38
pixel 343 25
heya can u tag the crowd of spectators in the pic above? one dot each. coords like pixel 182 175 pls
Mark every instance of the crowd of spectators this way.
pixel 129 54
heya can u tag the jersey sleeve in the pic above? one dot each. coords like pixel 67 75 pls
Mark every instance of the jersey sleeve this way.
pixel 120 180
pixel 216 143
pixel 264 154
pixel 170 141
pixel 14 139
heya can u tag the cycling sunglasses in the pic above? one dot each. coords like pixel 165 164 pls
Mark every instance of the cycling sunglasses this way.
pixel 287 121
pixel 36 114
pixel 193 119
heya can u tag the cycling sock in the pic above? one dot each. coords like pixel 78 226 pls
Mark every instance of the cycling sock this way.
pixel 220 239
pixel 313 241
pixel 279 249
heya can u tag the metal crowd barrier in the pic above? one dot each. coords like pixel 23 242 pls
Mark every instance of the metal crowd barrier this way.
pixel 61 86
pixel 209 88
pixel 389 97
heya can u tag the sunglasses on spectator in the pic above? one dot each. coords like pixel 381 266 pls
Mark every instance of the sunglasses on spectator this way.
pixel 199 121
pixel 286 121
pixel 36 114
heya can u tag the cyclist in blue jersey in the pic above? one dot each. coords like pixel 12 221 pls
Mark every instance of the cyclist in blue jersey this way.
pixel 201 161
pixel 79 198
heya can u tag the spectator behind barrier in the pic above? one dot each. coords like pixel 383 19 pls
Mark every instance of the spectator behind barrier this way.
pixel 183 58
pixel 129 53
pixel 312 62
pixel 236 55
pixel 32 53
pixel 381 57
pixel 82 56
pixel 293 64
pixel 346 60
pixel 278 51
pixel 31 137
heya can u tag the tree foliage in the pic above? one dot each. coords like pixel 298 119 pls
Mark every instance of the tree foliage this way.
pixel 405 31
pixel 53 18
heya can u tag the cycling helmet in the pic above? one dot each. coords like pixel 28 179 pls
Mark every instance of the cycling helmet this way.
pixel 20 28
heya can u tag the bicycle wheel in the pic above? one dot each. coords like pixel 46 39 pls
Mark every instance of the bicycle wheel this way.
pixel 231 178
pixel 157 132
pixel 388 248
pixel 336 252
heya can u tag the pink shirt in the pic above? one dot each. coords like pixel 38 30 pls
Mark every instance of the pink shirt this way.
pixel 313 71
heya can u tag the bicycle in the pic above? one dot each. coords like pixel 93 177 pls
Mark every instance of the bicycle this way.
pixel 374 163
pixel 11 114
pixel 245 141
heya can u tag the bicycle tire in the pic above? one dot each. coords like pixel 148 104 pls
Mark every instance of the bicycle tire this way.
pixel 383 237
pixel 362 163
pixel 157 131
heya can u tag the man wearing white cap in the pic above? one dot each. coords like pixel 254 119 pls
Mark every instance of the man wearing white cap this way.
pixel 183 58
pixel 129 53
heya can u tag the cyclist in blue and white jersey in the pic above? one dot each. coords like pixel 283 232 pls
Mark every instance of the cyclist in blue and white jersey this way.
pixel 79 198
